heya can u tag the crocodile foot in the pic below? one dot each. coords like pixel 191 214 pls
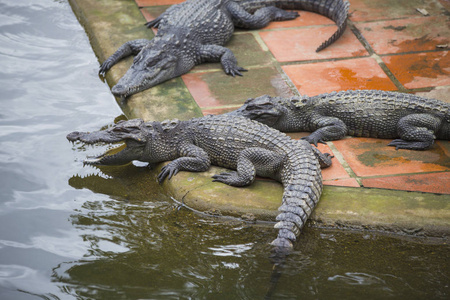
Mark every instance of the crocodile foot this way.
pixel 312 139
pixel 410 145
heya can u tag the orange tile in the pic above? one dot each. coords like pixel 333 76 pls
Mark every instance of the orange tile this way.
pixel 350 182
pixel 301 44
pixel 406 35
pixel 429 183
pixel 216 89
pixel 336 170
pixel 306 19
pixel 373 157
pixel 420 70
pixel 142 3
pixel 369 10
pixel 324 77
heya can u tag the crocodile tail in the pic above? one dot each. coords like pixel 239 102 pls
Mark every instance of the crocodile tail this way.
pixel 302 190
pixel 338 14
pixel 336 10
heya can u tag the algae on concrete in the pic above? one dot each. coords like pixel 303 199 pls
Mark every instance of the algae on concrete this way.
pixel 110 24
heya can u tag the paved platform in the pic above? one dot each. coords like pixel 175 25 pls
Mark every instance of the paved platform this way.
pixel 388 45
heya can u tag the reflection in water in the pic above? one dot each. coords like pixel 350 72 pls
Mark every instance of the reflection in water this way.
pixel 142 248
pixel 108 233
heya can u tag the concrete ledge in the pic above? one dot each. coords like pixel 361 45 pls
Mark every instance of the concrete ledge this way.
pixel 109 24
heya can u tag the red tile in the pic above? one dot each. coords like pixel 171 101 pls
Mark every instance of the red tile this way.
pixel 142 3
pixel 406 35
pixel 429 183
pixel 420 70
pixel 350 182
pixel 306 19
pixel 301 44
pixel 324 77
pixel 370 10
pixel 336 170
pixel 373 157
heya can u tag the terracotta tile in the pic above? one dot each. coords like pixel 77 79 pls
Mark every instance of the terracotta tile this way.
pixel 442 94
pixel 445 145
pixel 350 182
pixel 430 183
pixel 216 89
pixel 336 170
pixel 406 35
pixel 324 77
pixel 373 157
pixel 306 19
pixel 142 3
pixel 247 50
pixel 369 10
pixel 420 70
pixel 301 44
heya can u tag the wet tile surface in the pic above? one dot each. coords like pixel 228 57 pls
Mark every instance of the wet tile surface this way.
pixel 420 70
pixel 369 10
pixel 301 44
pixel 431 183
pixel 406 35
pixel 324 77
pixel 373 157
pixel 212 89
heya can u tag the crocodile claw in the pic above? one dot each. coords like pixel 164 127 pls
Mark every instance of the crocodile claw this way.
pixel 313 140
pixel 234 70
pixel 167 171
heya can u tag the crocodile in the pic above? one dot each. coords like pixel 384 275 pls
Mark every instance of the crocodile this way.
pixel 194 32
pixel 249 147
pixel 413 121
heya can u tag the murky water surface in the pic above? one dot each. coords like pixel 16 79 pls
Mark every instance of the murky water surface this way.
pixel 72 232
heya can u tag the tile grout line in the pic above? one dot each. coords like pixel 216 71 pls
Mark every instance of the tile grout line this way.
pixel 375 56
pixel 340 157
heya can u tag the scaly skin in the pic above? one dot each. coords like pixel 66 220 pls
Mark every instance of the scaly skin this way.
pixel 415 122
pixel 249 147
pixel 195 31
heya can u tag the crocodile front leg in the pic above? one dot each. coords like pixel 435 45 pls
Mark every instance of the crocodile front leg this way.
pixel 192 158
pixel 261 17
pixel 252 161
pixel 215 53
pixel 416 132
pixel 129 48
pixel 326 129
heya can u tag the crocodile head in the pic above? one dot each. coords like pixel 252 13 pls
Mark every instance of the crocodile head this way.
pixel 150 67
pixel 264 109
pixel 132 133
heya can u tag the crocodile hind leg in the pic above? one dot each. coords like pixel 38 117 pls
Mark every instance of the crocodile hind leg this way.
pixel 416 132
pixel 252 161
pixel 129 48
pixel 327 129
pixel 261 17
